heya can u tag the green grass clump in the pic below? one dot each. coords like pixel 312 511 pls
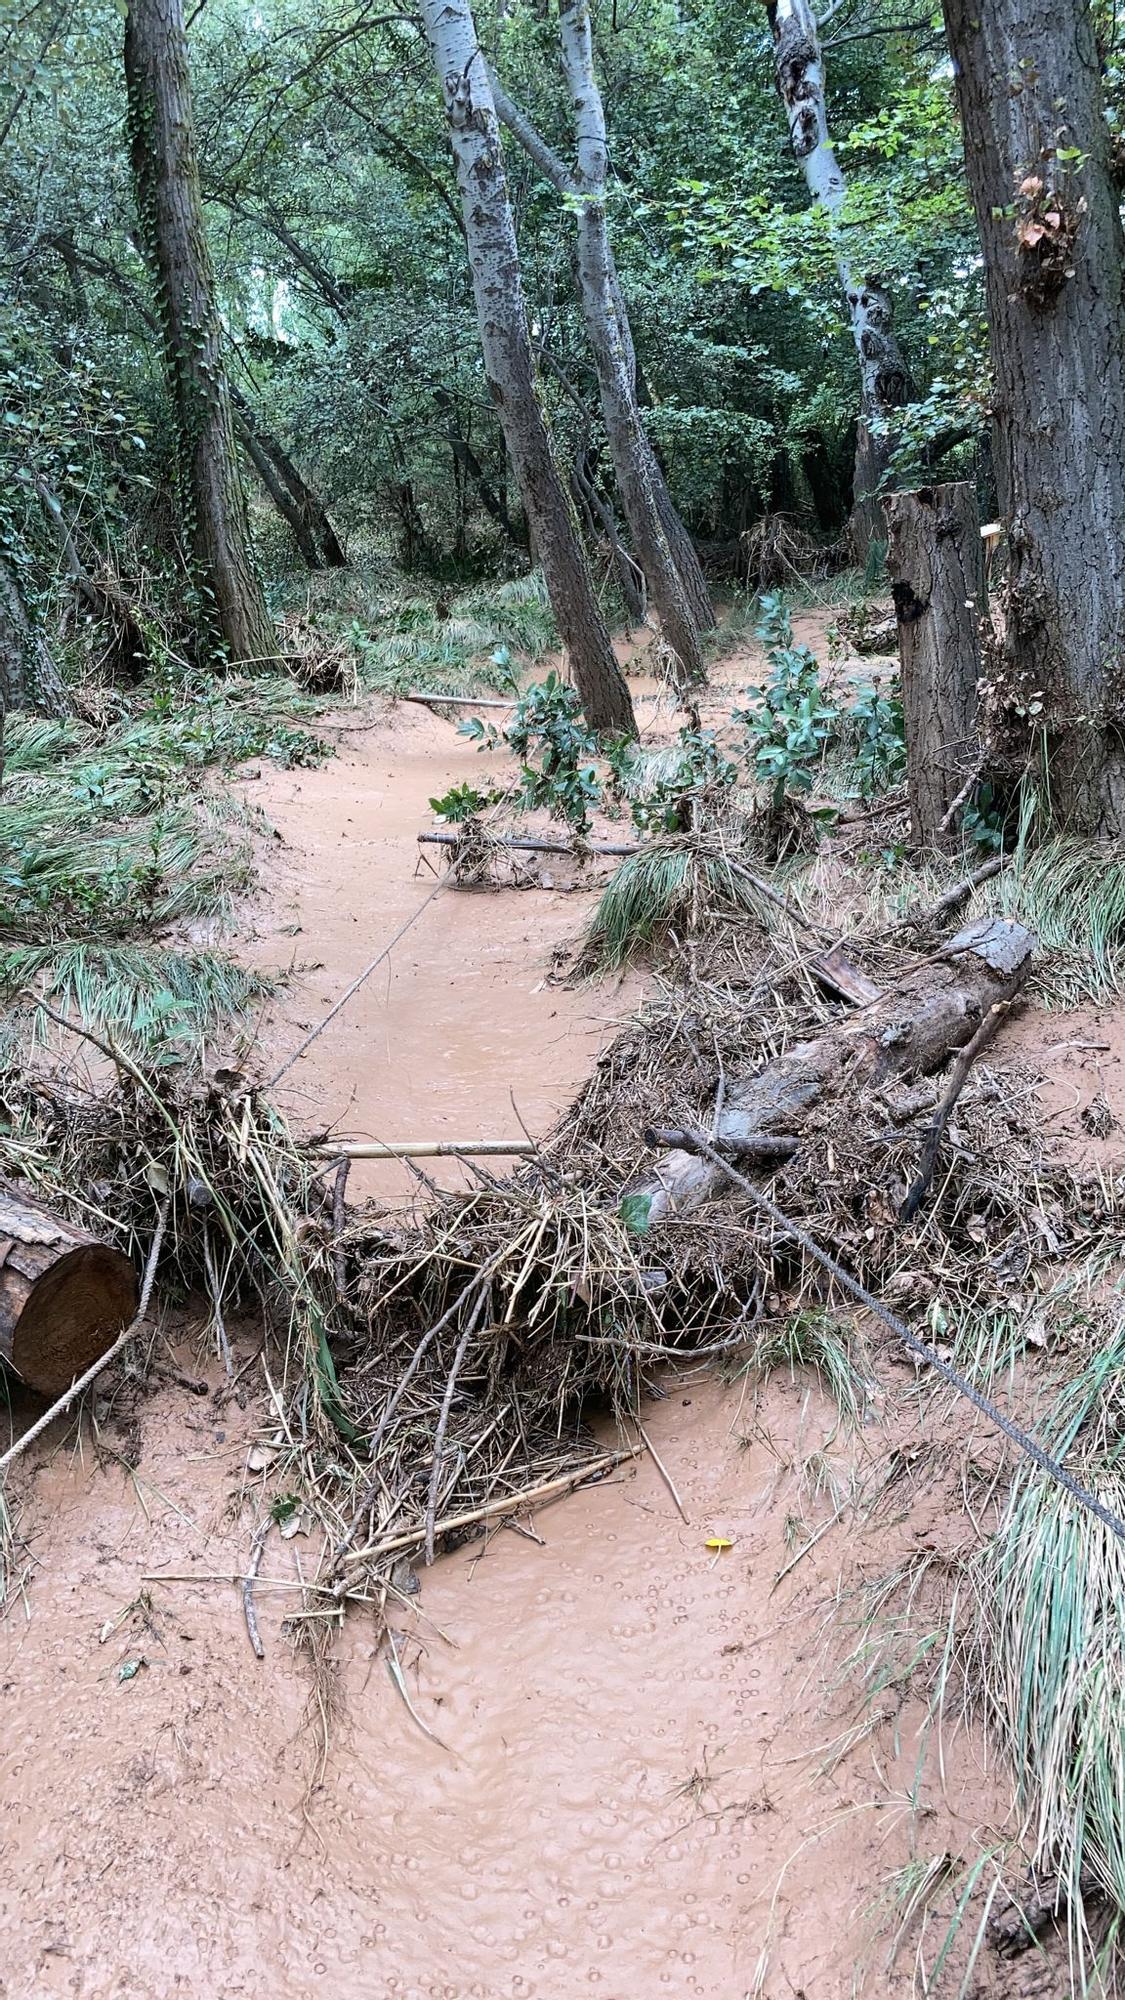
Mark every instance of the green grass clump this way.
pixel 1047 1646
pixel 666 885
pixel 813 1342
pixel 1072 894
pixel 108 839
pixel 141 995
pixel 462 647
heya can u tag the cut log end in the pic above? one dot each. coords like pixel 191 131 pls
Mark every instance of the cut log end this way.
pixel 64 1297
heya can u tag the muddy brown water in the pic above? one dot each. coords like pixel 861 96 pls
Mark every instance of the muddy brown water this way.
pixel 655 1775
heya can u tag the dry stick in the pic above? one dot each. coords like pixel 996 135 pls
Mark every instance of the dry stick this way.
pixel 95 1369
pixel 355 985
pixel 456 700
pixel 962 796
pixel 443 1420
pixel 339 1193
pixel 372 1486
pixel 345 1150
pixel 399 1679
pixel 533 844
pixel 755 1145
pixel 508 1503
pixel 252 1569
pixel 663 1471
pixel 931 1145
pixel 216 1306
pixel 952 897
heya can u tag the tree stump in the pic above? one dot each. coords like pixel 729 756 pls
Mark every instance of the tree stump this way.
pixel 64 1296
pixel 936 563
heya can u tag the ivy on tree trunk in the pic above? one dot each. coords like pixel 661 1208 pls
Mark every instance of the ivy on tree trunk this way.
pixel 170 215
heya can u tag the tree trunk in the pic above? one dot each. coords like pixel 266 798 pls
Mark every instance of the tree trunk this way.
pixel 936 561
pixel 290 492
pixel 884 376
pixel 170 215
pixel 1029 91
pixel 279 493
pixel 64 1296
pixel 498 291
pixel 29 677
pixel 602 311
pixel 493 503
pixel 599 517
pixel 911 1031
pixel 673 573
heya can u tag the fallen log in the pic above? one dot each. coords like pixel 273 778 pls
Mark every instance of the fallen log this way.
pixel 64 1296
pixel 912 1031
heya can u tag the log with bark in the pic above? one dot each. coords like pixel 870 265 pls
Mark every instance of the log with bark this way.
pixel 64 1296
pixel 936 1009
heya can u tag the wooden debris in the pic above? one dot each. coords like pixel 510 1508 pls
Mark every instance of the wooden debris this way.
pixel 64 1296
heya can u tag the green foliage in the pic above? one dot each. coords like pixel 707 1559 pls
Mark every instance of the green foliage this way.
pixel 558 753
pixel 662 788
pixel 790 723
pixel 660 890
pixel 462 802
pixel 876 724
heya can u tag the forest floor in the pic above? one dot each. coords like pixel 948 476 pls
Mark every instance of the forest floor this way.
pixel 650 1768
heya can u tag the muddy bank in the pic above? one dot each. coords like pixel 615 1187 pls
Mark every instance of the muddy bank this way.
pixel 631 1798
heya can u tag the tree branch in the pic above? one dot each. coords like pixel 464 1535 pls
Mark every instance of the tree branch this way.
pixel 532 141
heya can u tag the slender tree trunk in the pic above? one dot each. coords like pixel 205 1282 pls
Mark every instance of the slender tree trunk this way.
pixel 170 214
pixel 645 500
pixel 602 311
pixel 598 516
pixel 290 492
pixel 1029 91
pixel 494 503
pixel 885 383
pixel 279 494
pixel 502 320
pixel 935 558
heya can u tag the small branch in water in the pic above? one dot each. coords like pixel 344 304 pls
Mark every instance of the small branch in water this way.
pixel 252 1568
pixel 663 1471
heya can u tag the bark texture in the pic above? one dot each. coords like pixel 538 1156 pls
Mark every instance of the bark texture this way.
pixel 885 383
pixel 170 215
pixel 664 548
pixel 936 562
pixel 911 1032
pixel 606 322
pixel 64 1296
pixel 502 320
pixel 1029 89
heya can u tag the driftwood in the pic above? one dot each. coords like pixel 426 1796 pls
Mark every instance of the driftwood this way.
pixel 936 1009
pixel 64 1296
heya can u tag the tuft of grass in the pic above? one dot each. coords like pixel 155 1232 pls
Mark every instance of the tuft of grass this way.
pixel 141 995
pixel 1072 894
pixel 1046 1645
pixel 667 885
pixel 463 647
pixel 813 1342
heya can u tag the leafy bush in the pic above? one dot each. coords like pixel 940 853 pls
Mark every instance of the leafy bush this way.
pixel 791 724
pixel 549 733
